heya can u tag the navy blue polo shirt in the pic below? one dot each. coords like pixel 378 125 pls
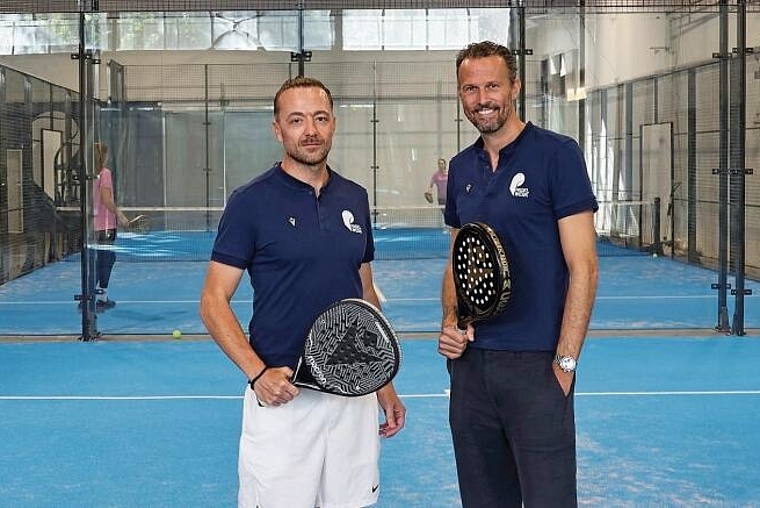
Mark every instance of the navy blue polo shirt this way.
pixel 302 254
pixel 541 177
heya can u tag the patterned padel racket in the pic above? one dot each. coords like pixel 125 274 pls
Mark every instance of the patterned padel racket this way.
pixel 350 350
pixel 481 274
pixel 140 224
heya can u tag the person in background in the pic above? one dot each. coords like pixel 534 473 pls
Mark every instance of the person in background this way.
pixel 511 410
pixel 438 182
pixel 106 218
pixel 304 235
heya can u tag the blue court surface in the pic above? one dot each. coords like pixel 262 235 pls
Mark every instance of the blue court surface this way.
pixel 667 409
pixel 154 298
pixel 661 421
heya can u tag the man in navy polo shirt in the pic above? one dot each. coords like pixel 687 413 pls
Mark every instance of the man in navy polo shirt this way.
pixel 512 377
pixel 303 233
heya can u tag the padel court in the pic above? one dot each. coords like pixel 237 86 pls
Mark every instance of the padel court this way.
pixel 181 94
pixel 661 421
pixel 666 415
pixel 157 280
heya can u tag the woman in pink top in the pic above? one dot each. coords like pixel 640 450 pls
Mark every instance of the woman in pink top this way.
pixel 106 218
pixel 438 181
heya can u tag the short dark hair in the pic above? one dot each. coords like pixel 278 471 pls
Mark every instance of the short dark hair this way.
pixel 485 49
pixel 300 82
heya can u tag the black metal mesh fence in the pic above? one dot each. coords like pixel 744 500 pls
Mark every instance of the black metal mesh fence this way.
pixel 185 135
pixel 38 139
pixel 531 6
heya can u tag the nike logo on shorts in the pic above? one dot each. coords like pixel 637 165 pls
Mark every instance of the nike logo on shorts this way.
pixel 374 489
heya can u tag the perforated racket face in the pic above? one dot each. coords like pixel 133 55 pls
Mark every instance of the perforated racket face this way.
pixel 481 271
pixel 140 224
pixel 351 349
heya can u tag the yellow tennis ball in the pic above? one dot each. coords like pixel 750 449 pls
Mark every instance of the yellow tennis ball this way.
pixel 177 334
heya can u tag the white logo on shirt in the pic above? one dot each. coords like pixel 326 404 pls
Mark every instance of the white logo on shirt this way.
pixel 515 186
pixel 292 221
pixel 467 188
pixel 348 221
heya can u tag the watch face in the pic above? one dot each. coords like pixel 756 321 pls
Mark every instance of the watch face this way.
pixel 566 363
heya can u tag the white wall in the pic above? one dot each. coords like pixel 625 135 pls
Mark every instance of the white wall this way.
pixel 619 47
pixel 623 47
pixel 58 69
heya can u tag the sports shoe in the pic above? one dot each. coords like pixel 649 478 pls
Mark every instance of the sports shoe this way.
pixel 101 305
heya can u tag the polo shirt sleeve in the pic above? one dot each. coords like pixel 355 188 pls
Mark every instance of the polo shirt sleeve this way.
pixel 450 216
pixel 369 248
pixel 570 184
pixel 235 240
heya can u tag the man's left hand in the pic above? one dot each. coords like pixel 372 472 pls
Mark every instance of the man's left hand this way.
pixel 565 379
pixel 395 412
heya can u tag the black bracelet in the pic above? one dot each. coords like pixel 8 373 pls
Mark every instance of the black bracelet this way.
pixel 256 378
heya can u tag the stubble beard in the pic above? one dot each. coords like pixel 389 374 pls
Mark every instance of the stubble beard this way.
pixel 310 158
pixel 490 126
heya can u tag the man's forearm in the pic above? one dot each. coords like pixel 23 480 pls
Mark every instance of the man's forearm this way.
pixel 577 314
pixel 225 329
pixel 448 298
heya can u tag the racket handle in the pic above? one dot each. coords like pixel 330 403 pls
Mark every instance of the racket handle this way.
pixel 462 323
pixel 297 371
pixel 303 377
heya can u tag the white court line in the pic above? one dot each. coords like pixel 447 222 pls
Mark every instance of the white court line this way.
pixel 620 297
pixel 127 397
pixel 657 297
pixel 121 302
pixel 381 297
pixel 668 393
pixel 409 396
pixel 164 397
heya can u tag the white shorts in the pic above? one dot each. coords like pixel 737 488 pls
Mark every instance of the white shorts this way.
pixel 317 450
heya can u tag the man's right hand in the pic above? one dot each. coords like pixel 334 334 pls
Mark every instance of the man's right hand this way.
pixel 452 342
pixel 274 388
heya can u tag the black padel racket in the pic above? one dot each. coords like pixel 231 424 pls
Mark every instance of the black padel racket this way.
pixel 140 224
pixel 481 274
pixel 350 350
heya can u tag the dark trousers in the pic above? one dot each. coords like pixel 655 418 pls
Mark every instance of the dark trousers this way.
pixel 105 258
pixel 513 430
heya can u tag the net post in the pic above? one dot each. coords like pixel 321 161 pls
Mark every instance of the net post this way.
pixel 656 247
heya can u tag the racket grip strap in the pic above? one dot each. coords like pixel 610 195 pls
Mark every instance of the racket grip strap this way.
pixel 257 376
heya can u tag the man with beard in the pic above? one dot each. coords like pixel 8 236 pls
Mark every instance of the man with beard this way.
pixel 304 235
pixel 513 376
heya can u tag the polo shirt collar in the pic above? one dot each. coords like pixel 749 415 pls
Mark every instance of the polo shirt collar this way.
pixel 511 147
pixel 294 183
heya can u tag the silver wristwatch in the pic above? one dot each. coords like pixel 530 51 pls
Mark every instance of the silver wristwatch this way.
pixel 566 363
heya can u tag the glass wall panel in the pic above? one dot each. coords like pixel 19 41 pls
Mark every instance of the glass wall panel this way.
pixel 353 154
pixel 191 178
pixel 250 147
pixel 190 120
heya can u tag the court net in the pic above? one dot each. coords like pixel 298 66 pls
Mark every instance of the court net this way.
pixel 408 232
pixel 626 228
